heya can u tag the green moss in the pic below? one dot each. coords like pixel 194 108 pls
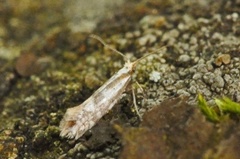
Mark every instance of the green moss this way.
pixel 207 110
pixel 225 106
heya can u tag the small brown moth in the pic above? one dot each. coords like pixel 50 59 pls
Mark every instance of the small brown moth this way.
pixel 79 119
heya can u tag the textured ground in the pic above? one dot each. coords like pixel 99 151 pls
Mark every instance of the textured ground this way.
pixel 48 64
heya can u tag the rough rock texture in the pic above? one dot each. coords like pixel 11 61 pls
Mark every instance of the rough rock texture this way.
pixel 202 56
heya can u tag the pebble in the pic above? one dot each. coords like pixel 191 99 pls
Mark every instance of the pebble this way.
pixel 28 64
pixel 218 82
pixel 193 89
pixel 153 20
pixel 235 71
pixel 235 16
pixel 183 92
pixel 208 78
pixel 149 38
pixel 227 78
pixel 197 76
pixel 217 36
pixel 7 79
pixel 155 76
pixel 202 68
pixel 193 40
pixel 184 58
pixel 222 59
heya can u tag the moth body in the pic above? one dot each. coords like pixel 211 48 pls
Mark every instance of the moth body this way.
pixel 79 119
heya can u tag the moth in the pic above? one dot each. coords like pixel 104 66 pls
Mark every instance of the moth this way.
pixel 77 120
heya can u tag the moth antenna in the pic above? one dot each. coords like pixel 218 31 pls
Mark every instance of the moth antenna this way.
pixel 153 52
pixel 107 46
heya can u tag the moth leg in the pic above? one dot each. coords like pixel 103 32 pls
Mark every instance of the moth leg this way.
pixel 144 96
pixel 135 104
